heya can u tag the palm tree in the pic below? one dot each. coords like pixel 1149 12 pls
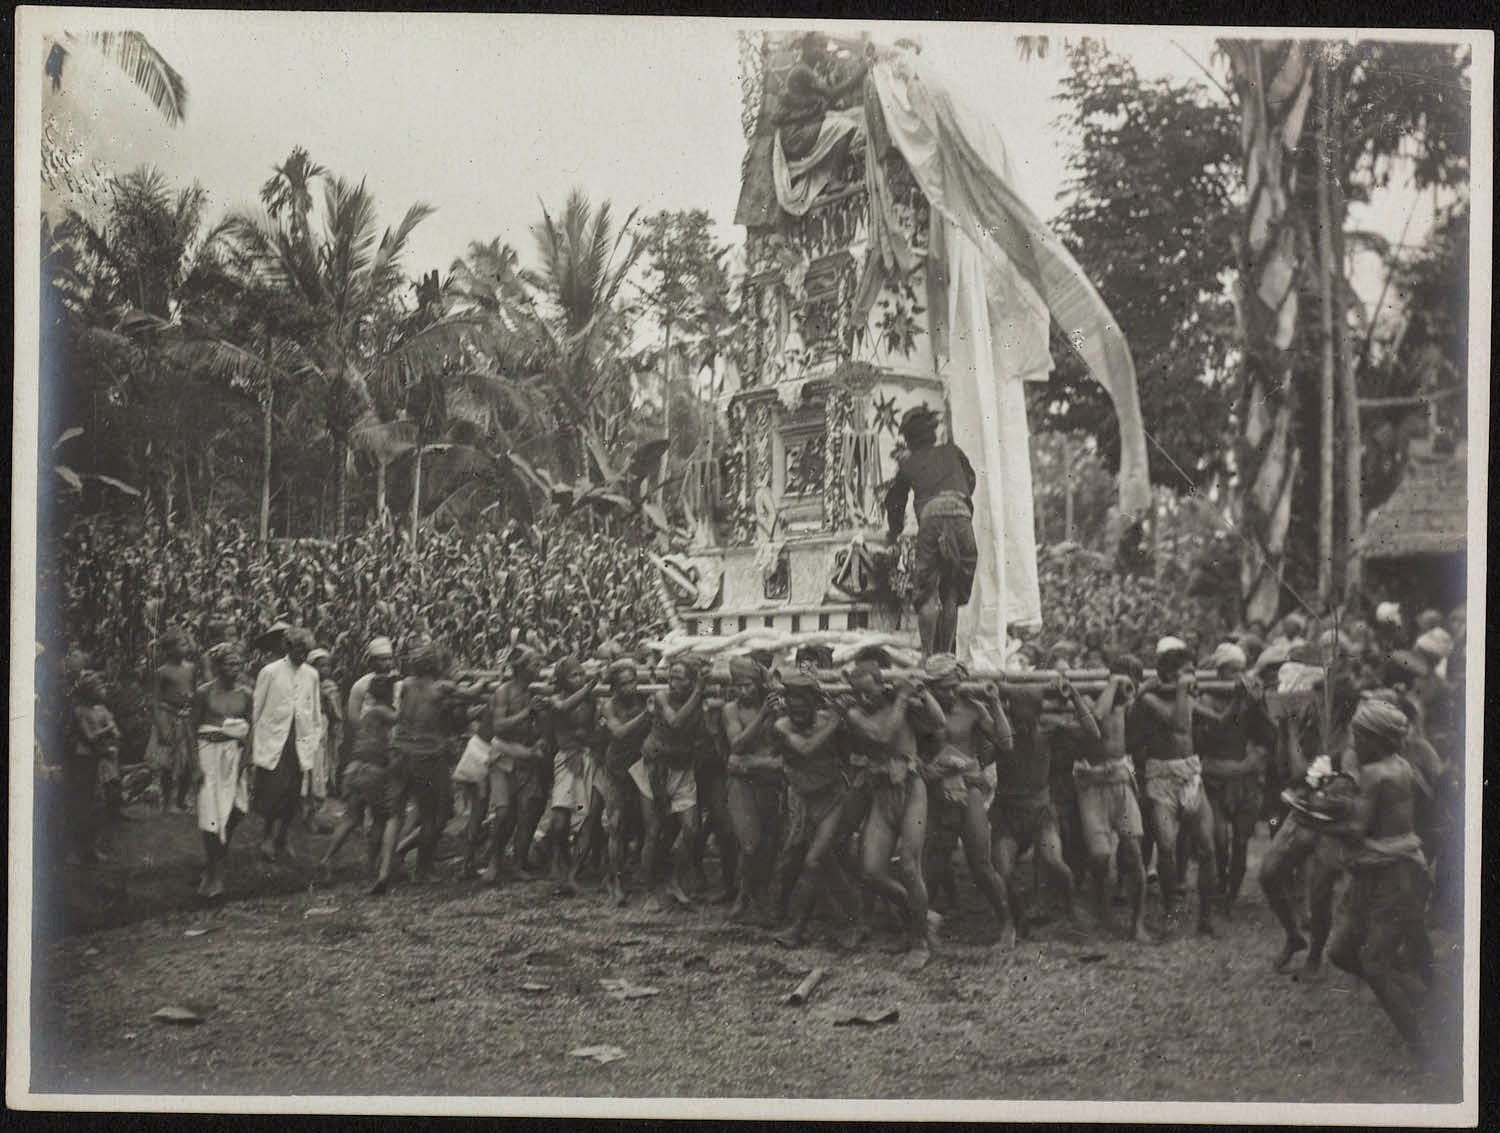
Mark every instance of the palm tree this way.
pixel 584 327
pixel 347 281
pixel 121 283
pixel 72 179
pixel 134 55
pixel 469 392
pixel 289 190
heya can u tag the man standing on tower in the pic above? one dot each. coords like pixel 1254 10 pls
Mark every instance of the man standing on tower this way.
pixel 942 481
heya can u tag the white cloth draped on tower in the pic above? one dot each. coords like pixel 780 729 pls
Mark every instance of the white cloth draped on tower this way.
pixel 1009 275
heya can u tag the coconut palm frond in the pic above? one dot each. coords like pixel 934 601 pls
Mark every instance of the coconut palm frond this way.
pixel 132 53
pixel 289 187
pixel 495 404
pixel 349 245
pixel 385 272
pixel 421 355
pixel 241 367
pixel 385 441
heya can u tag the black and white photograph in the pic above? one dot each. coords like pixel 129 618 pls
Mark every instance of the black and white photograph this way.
pixel 665 566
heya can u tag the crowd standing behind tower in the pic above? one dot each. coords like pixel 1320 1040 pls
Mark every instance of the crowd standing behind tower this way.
pixel 853 797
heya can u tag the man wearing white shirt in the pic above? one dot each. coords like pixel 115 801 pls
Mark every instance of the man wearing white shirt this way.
pixel 286 731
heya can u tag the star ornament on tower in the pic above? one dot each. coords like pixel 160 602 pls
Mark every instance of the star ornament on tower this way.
pixel 885 415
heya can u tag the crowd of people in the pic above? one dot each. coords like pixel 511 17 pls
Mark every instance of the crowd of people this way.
pixel 830 795
pixel 120 590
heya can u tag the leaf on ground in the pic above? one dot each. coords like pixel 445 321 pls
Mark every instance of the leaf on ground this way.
pixel 321 911
pixel 203 931
pixel 600 1054
pixel 869 1018
pixel 172 1014
pixel 536 987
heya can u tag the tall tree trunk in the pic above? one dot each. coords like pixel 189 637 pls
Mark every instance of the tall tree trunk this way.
pixel 1325 323
pixel 1068 491
pixel 265 454
pixel 187 493
pixel 416 494
pixel 1273 82
pixel 341 448
pixel 1354 513
pixel 169 496
pixel 666 410
pixel 380 492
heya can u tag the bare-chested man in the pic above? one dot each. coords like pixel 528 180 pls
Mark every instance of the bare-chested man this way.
pixel 809 736
pixel 515 771
pixel 1108 807
pixel 1023 814
pixel 667 783
pixel 574 718
pixel 881 719
pixel 1175 798
pixel 170 749
pixel 1236 739
pixel 1387 893
pixel 749 720
pixel 627 718
pixel 974 729
pixel 1301 835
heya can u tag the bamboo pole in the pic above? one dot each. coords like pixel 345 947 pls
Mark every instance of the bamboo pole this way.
pixel 1325 325
pixel 832 680
pixel 265 474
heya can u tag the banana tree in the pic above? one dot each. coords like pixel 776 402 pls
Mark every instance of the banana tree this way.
pixel 74 479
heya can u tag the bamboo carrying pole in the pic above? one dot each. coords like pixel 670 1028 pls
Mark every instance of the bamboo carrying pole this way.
pixel 1087 682
pixel 833 680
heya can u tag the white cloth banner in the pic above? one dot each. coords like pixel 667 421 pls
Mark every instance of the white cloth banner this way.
pixel 989 353
pixel 1009 278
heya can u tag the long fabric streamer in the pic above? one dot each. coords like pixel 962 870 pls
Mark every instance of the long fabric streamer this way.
pixel 1009 276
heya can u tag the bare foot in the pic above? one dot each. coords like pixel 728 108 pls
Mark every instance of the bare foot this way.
pixel 791 938
pixel 617 892
pixel 656 904
pixel 1293 945
pixel 1007 939
pixel 675 892
pixel 850 938
pixel 214 888
pixel 1140 934
pixel 917 958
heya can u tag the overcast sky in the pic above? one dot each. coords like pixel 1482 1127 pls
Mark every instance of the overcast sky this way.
pixel 484 117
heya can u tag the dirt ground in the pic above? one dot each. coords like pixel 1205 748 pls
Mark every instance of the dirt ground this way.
pixel 308 987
